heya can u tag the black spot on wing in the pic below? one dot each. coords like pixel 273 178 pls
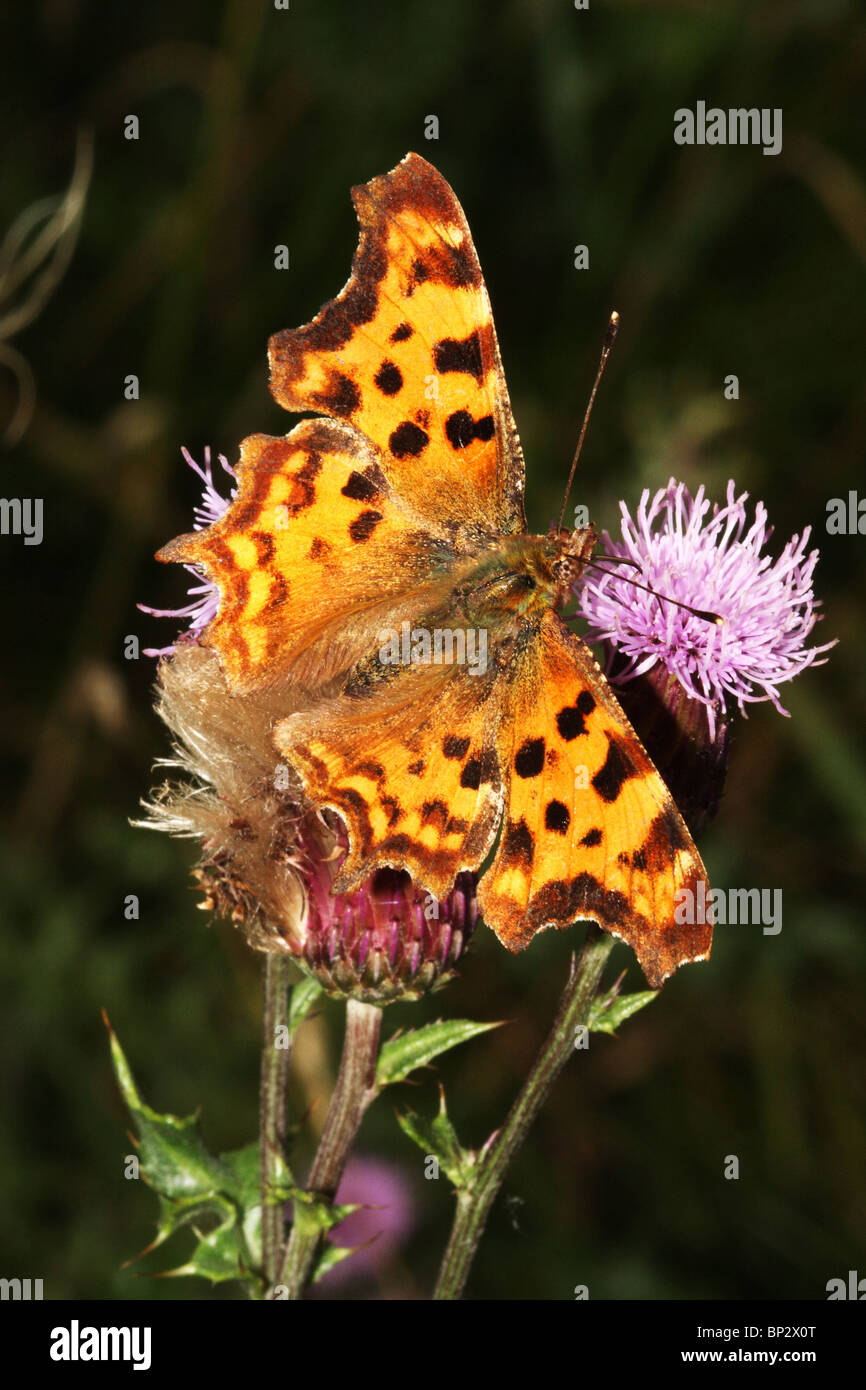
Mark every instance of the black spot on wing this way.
pixel 459 355
pixel 364 525
pixel 471 775
pixel 455 747
pixel 402 332
pixel 461 430
pixel 302 493
pixel 529 759
pixel 408 441
pixel 389 379
pixel 614 771
pixel 359 488
pixel 591 838
pixel 418 274
pixel 556 817
pixel 479 769
pixel 466 271
pixel 571 719
pixel 369 768
pixel 456 266
pixel 398 845
pixel 665 837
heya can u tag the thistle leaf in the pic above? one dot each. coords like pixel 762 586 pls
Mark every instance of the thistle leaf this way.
pixel 219 1197
pixel 605 1015
pixel 437 1138
pixel 401 1055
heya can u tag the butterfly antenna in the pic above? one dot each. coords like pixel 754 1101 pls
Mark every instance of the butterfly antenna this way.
pixel 609 336
pixel 705 613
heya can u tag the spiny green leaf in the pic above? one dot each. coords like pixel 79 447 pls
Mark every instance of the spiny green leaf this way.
pixel 401 1055
pixel 331 1256
pixel 315 1213
pixel 176 1212
pixel 174 1159
pixel 438 1138
pixel 220 1254
pixel 605 1015
pixel 195 1188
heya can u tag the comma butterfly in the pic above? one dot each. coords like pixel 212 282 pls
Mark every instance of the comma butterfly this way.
pixel 377 564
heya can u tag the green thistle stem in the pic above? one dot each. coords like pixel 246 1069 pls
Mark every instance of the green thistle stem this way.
pixel 272 1106
pixel 476 1199
pixel 354 1091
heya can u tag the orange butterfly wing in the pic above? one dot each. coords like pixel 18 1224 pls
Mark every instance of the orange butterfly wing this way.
pixel 407 353
pixel 334 523
pixel 310 558
pixel 589 829
pixel 409 764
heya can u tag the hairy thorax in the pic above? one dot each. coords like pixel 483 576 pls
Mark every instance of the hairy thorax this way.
pixel 522 576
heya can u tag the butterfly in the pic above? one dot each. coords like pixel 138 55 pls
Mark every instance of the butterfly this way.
pixel 375 564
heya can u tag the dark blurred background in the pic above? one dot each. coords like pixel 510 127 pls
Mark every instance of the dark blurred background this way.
pixel 555 128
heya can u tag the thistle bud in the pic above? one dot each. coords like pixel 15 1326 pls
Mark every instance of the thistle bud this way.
pixel 385 939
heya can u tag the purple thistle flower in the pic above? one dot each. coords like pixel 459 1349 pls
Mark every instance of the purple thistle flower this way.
pixel 204 594
pixel 711 560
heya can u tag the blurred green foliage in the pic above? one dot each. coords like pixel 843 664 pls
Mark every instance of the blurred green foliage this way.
pixel 555 129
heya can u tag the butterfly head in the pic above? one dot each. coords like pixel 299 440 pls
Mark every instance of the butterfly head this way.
pixel 573 552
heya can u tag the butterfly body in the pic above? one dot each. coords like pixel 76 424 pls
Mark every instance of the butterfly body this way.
pixel 523 576
pixel 367 557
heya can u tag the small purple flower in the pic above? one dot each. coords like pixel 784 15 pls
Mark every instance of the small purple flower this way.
pixel 712 560
pixel 387 1216
pixel 204 594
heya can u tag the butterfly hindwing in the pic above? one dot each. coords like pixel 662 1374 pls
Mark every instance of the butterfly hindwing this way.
pixel 409 765
pixel 589 828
